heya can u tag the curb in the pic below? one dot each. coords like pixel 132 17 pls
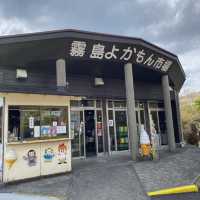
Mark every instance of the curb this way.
pixel 178 190
pixel 175 190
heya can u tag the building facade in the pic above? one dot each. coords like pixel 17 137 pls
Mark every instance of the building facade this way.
pixel 73 93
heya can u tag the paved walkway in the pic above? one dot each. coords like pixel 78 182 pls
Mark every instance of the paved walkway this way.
pixel 13 196
pixel 173 169
pixel 117 178
pixel 103 179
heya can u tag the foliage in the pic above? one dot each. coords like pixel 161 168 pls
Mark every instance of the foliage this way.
pixel 197 103
pixel 190 114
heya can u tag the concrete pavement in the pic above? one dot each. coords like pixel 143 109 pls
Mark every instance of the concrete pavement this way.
pixel 118 177
pixel 173 169
pixel 14 196
pixel 107 178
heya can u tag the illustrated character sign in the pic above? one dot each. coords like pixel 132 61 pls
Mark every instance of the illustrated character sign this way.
pixel 48 155
pixel 31 158
pixel 62 153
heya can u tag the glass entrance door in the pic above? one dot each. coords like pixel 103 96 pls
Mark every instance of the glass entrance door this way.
pixel 157 121
pixel 121 130
pixel 77 131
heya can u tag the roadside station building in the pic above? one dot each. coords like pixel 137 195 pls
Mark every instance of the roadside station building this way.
pixel 73 93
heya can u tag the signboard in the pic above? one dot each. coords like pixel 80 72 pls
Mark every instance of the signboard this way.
pixel 110 122
pixel 97 50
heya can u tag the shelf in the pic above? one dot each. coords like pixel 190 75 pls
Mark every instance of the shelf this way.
pixel 37 141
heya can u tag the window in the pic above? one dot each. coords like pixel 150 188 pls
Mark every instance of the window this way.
pixel 54 122
pixel 98 104
pixel 120 104
pixel 75 103
pixel 36 122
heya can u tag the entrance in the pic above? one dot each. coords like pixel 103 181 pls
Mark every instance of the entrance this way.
pixel 157 121
pixel 90 136
pixel 117 124
pixel 121 130
pixel 87 128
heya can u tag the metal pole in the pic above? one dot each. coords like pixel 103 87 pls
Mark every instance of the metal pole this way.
pixel 130 99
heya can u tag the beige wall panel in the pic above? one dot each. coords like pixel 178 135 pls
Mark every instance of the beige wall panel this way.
pixel 53 161
pixel 22 168
pixel 35 99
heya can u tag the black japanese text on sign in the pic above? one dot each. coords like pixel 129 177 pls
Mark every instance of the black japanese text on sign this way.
pixel 131 53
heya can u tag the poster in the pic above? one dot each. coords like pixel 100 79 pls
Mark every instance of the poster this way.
pixel 110 123
pixel 61 129
pixel 31 122
pixel 55 123
pixel 36 131
pixel 45 130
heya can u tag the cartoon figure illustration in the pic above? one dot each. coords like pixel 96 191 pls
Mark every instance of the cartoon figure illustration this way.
pixel 31 158
pixel 48 155
pixel 62 153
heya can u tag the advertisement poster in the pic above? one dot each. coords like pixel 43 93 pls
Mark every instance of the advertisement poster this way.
pixel 36 131
pixel 55 123
pixel 61 129
pixel 31 122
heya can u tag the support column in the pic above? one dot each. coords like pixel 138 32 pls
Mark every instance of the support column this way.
pixel 105 127
pixel 61 73
pixel 130 99
pixel 180 128
pixel 168 113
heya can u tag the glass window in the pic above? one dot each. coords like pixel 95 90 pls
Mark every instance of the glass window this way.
pixel 99 126
pixel 161 105
pixel 87 103
pixel 153 105
pixel 111 130
pixel 13 124
pixel 110 104
pixel 30 123
pixel 141 105
pixel 35 122
pixel 54 122
pixel 119 104
pixel 98 104
pixel 121 130
pixel 75 103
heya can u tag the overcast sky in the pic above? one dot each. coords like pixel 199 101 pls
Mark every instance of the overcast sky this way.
pixel 171 24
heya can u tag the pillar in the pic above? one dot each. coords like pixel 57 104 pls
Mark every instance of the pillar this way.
pixel 180 128
pixel 61 73
pixel 130 99
pixel 105 126
pixel 168 113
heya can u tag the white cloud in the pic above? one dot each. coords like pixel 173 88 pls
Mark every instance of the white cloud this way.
pixel 191 64
pixel 13 26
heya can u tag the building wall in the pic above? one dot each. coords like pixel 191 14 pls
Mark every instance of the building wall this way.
pixel 40 80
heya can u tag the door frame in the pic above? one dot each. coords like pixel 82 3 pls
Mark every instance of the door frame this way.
pixel 157 109
pixel 95 109
pixel 80 110
pixel 113 109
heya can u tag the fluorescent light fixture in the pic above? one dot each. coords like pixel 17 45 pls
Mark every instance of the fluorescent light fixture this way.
pixel 98 81
pixel 21 74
